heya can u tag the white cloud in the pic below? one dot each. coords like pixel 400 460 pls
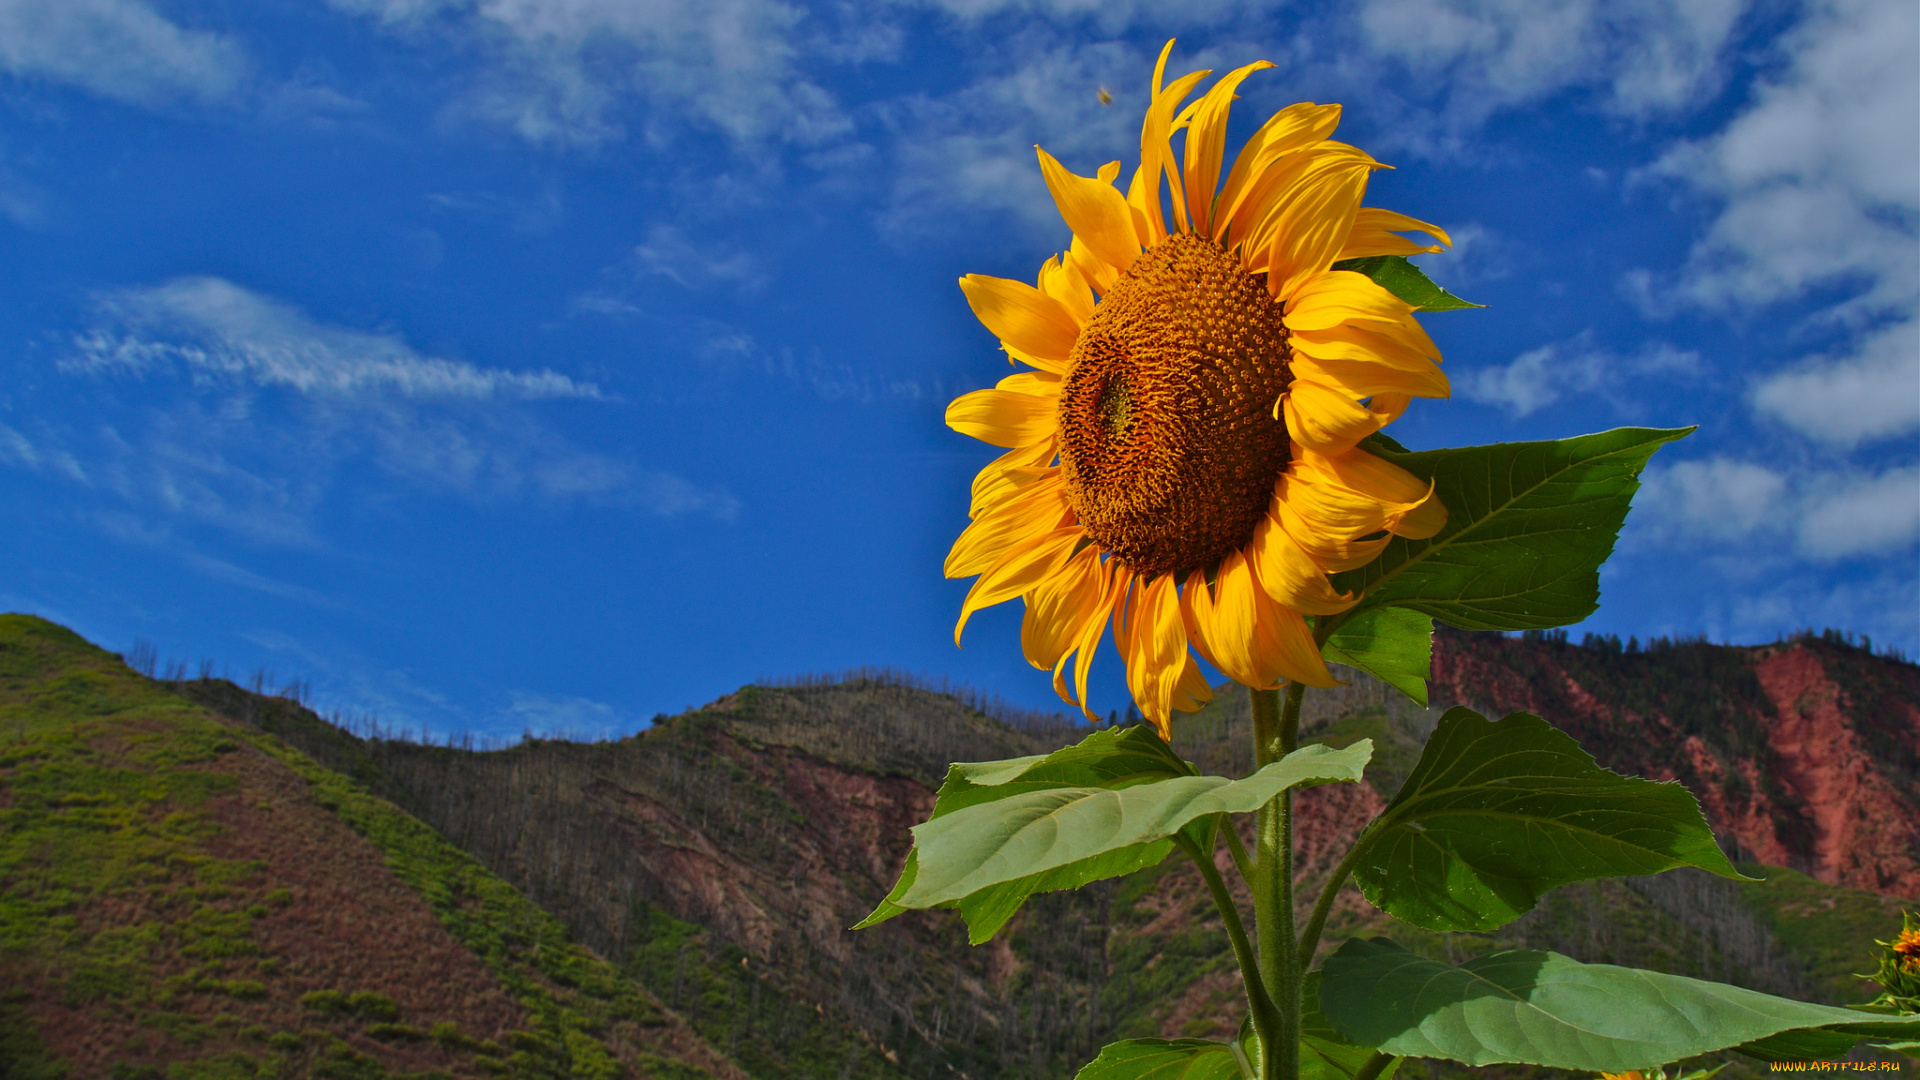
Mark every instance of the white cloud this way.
pixel 1819 178
pixel 1871 394
pixel 668 253
pixel 251 416
pixel 121 49
pixel 217 329
pixel 562 716
pixel 1540 377
pixel 972 150
pixel 1111 15
pixel 1717 499
pixel 1862 516
pixel 1819 515
pixel 571 72
pixel 1646 56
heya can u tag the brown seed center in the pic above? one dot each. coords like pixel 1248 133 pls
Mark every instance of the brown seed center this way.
pixel 1167 432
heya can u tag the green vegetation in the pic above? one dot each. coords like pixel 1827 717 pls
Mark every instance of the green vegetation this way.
pixel 112 901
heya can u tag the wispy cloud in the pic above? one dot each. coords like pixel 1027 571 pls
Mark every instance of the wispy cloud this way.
pixel 1541 377
pixel 120 49
pixel 1483 56
pixel 1817 178
pixel 580 72
pixel 1823 515
pixel 562 715
pixel 252 416
pixel 1868 394
pixel 215 329
pixel 667 252
pixel 971 151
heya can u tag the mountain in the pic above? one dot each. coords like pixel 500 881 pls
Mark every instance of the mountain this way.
pixel 748 834
pixel 713 861
pixel 1805 754
pixel 185 896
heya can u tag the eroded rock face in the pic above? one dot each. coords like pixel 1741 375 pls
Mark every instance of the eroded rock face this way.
pixel 1866 828
pixel 1802 754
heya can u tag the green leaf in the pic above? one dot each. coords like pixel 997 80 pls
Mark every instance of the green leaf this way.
pixel 1541 1008
pixel 1393 644
pixel 989 909
pixel 1528 525
pixel 1109 757
pixel 1162 1059
pixel 1406 281
pixel 1033 832
pixel 1325 1054
pixel 1496 814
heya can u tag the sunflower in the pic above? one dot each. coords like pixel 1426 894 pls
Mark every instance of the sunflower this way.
pixel 1182 446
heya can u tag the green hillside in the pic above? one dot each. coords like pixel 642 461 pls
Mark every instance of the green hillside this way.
pixel 157 919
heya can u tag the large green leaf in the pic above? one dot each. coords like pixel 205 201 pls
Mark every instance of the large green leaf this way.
pixel 1325 1054
pixel 1162 1059
pixel 1496 814
pixel 1393 644
pixel 1034 832
pixel 989 909
pixel 1406 281
pixel 1528 525
pixel 1109 757
pixel 1541 1008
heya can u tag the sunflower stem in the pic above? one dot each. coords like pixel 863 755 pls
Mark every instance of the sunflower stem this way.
pixel 1276 731
pixel 1257 1000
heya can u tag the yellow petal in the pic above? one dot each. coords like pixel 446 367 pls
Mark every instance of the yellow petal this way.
pixel 1413 509
pixel 1282 186
pixel 1143 202
pixel 1325 419
pixel 1034 383
pixel 1113 582
pixel 1064 283
pixel 1225 623
pixel 1285 636
pixel 1008 474
pixel 1331 508
pixel 1207 144
pixel 1004 418
pixel 1388 407
pixel 1366 245
pixel 1371 342
pixel 1058 610
pixel 1042 507
pixel 1329 551
pixel 1095 211
pixel 1021 570
pixel 1094 270
pixel 1021 316
pixel 1290 576
pixel 1156 155
pixel 1292 129
pixel 1154 643
pixel 1057 367
pixel 1339 296
pixel 1192 691
pixel 1313 220
pixel 1360 379
pixel 1374 477
pixel 1375 233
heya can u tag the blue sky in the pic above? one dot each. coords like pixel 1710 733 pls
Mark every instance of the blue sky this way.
pixel 508 364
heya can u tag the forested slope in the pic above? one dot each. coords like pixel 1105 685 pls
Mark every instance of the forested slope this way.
pixel 188 897
pixel 719 856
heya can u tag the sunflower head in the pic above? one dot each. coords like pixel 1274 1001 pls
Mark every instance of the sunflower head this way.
pixel 1183 456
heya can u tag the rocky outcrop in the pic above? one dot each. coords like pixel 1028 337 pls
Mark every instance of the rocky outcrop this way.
pixel 1803 754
